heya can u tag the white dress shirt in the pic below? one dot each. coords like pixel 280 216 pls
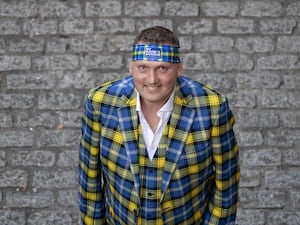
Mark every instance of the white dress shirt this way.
pixel 152 139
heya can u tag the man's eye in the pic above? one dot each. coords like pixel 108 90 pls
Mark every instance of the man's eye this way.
pixel 163 69
pixel 142 68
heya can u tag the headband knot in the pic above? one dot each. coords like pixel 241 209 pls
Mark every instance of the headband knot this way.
pixel 155 52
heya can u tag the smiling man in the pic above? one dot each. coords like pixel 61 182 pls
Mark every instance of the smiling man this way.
pixel 157 147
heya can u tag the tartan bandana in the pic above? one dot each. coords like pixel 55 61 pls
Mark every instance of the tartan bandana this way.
pixel 155 52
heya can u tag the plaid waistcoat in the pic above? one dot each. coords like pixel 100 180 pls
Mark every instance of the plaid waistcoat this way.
pixel 151 180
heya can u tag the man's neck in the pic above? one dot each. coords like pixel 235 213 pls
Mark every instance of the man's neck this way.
pixel 150 114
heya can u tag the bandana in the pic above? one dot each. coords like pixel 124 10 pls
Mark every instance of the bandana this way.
pixel 155 52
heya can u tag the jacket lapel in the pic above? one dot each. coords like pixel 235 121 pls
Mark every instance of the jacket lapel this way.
pixel 128 120
pixel 180 123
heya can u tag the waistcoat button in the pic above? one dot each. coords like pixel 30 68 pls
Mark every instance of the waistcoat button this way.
pixel 150 194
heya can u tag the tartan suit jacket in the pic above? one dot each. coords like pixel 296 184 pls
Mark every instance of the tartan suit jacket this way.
pixel 201 172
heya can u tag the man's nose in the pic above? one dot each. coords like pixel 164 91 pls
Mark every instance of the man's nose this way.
pixel 152 76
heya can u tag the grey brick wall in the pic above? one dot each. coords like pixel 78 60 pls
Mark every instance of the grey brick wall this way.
pixel 52 52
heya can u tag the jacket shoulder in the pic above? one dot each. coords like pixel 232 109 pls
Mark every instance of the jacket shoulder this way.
pixel 199 93
pixel 112 89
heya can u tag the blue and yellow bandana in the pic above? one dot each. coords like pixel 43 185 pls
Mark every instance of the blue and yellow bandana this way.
pixel 155 52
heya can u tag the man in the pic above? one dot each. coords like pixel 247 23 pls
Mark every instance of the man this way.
pixel 157 147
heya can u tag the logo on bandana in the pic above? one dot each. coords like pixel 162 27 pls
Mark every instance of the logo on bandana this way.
pixel 151 52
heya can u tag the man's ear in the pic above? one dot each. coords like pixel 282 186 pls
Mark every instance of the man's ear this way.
pixel 130 67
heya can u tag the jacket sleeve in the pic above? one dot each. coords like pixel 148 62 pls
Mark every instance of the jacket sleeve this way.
pixel 90 197
pixel 223 203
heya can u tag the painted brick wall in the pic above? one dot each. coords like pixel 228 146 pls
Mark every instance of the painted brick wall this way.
pixel 52 52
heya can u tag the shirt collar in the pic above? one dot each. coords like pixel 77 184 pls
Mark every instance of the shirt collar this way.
pixel 167 107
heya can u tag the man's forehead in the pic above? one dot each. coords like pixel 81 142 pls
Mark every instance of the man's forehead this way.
pixel 152 63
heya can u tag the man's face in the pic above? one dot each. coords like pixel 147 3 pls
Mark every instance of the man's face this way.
pixel 155 81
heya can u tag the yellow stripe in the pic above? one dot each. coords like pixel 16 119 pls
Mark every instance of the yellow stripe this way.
pixel 195 192
pixel 215 131
pixel 118 137
pixel 171 132
pixel 92 173
pixel 96 126
pixel 91 196
pixel 111 166
pixel 217 211
pixel 161 162
pixel 213 100
pixel 193 169
pixel 218 158
pixel 94 151
pixel 189 139
pixel 88 220
pixel 98 96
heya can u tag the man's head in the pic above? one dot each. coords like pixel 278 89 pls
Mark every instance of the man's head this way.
pixel 156 44
pixel 157 35
pixel 155 65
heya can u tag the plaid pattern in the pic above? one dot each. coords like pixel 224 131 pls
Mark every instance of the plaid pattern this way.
pixel 151 179
pixel 201 172
pixel 155 52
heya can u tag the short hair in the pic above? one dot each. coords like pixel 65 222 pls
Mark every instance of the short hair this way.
pixel 157 35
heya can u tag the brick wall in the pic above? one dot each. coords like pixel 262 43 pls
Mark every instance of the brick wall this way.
pixel 52 52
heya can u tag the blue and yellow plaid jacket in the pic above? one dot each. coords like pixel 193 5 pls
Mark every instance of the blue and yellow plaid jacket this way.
pixel 201 171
